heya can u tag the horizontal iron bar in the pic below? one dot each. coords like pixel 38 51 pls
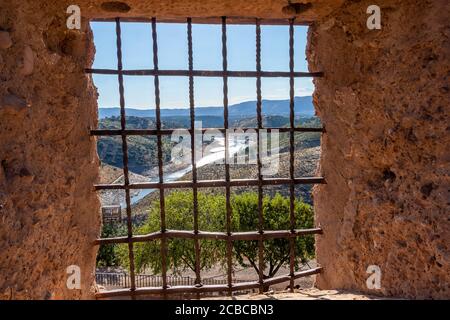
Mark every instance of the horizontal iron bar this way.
pixel 205 288
pixel 145 132
pixel 211 183
pixel 206 73
pixel 207 20
pixel 185 234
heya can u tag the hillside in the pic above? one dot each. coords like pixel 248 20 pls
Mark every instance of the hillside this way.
pixel 302 106
pixel 305 165
pixel 142 150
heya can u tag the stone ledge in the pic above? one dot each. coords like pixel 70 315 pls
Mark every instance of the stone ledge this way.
pixel 306 294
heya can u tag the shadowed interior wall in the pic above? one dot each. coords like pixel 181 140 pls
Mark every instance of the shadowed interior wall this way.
pixel 384 102
pixel 385 105
pixel 49 214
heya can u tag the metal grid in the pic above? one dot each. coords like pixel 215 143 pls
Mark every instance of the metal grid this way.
pixel 260 235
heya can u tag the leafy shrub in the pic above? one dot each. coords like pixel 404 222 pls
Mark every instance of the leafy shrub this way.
pixel 212 217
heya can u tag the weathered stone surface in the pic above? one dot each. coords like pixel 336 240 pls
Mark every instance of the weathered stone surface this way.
pixel 304 10
pixel 27 63
pixel 5 40
pixel 13 103
pixel 305 294
pixel 49 214
pixel 385 104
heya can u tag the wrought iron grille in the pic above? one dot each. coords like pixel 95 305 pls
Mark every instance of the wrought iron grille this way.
pixel 258 235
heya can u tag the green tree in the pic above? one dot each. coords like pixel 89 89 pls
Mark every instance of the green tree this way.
pixel 179 216
pixel 109 255
pixel 276 217
pixel 212 217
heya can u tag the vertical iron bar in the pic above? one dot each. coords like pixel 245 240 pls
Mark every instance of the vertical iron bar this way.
pixel 260 191
pixel 194 165
pixel 227 163
pixel 291 153
pixel 125 154
pixel 160 158
pixel 136 280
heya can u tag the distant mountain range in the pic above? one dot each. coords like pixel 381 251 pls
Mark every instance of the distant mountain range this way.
pixel 303 107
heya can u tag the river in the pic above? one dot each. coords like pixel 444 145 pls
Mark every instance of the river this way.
pixel 216 154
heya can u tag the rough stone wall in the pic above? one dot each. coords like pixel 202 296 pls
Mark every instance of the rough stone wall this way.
pixel 48 212
pixel 385 104
pixel 208 8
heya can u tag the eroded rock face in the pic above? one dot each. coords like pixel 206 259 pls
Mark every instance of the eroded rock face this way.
pixel 385 104
pixel 306 10
pixel 5 40
pixel 27 63
pixel 48 212
pixel 13 103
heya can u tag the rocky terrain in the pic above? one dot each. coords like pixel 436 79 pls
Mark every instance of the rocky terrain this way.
pixel 142 150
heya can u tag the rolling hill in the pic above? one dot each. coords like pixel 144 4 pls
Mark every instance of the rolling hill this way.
pixel 303 107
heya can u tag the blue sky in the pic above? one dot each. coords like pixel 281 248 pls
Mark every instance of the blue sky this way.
pixel 207 47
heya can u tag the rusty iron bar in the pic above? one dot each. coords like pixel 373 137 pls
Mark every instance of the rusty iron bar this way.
pixel 227 162
pixel 198 280
pixel 125 154
pixel 211 183
pixel 145 132
pixel 206 73
pixel 207 20
pixel 260 235
pixel 291 154
pixel 209 235
pixel 162 209
pixel 206 288
pixel 260 178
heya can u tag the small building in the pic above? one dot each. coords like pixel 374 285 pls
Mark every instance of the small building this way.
pixel 111 214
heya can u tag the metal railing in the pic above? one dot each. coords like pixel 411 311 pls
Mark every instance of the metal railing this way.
pixel 123 280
